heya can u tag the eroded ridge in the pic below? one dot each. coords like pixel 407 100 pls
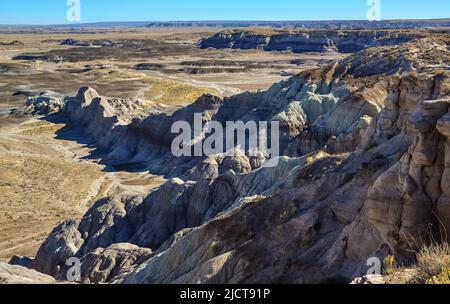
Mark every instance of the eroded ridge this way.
pixel 364 168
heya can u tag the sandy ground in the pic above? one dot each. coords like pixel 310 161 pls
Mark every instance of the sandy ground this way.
pixel 44 181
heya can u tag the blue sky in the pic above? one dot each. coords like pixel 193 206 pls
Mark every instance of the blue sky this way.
pixel 54 11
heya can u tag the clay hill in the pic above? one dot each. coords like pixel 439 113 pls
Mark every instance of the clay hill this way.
pixel 364 171
pixel 312 40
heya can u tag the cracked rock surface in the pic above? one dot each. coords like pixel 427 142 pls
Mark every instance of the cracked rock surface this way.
pixel 364 169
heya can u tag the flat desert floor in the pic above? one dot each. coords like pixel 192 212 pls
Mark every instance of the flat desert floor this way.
pixel 45 180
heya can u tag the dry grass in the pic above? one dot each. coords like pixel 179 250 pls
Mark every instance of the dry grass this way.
pixel 389 265
pixel 36 194
pixel 40 128
pixel 40 186
pixel 432 261
pixel 43 182
pixel 173 92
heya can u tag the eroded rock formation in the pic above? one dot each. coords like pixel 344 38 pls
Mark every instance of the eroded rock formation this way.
pixel 363 173
pixel 11 274
pixel 300 41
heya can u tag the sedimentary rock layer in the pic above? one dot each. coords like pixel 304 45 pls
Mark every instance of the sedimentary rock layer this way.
pixel 362 173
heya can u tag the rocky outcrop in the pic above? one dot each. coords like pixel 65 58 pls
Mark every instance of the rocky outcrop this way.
pixel 21 261
pixel 363 173
pixel 376 279
pixel 89 43
pixel 12 43
pixel 338 219
pixel 328 24
pixel 10 274
pixel 54 253
pixel 300 41
pixel 315 111
pixel 399 276
pixel 102 265
pixel 45 103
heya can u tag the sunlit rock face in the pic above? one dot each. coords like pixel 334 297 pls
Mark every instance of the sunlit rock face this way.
pixel 12 274
pixel 300 41
pixel 363 171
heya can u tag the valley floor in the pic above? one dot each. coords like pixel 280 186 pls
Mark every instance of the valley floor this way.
pixel 45 180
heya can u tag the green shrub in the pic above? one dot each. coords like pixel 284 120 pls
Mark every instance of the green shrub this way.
pixel 310 160
pixel 441 279
pixel 215 247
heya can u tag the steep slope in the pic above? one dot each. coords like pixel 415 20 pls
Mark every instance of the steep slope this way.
pixel 364 170
pixel 300 41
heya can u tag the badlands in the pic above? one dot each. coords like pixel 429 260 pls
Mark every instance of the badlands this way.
pixel 45 174
pixel 88 172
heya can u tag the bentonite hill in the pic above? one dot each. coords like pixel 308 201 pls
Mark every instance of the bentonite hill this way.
pixel 363 170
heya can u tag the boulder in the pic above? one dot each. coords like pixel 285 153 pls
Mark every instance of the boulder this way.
pixel 13 274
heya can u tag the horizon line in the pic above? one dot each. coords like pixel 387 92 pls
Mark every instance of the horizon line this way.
pixel 225 21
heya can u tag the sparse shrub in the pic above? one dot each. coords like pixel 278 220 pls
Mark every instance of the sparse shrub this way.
pixel 442 279
pixel 288 214
pixel 433 263
pixel 390 265
pixel 440 72
pixel 215 247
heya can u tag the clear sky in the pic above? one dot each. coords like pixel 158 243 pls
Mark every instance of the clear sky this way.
pixel 55 11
